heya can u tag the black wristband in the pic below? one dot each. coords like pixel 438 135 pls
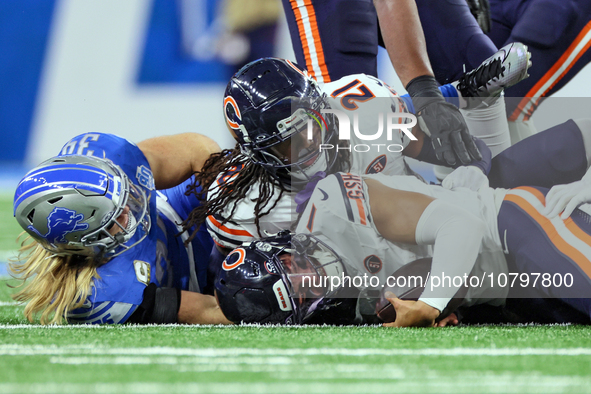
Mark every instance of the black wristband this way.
pixel 166 305
pixel 423 86
pixel 160 305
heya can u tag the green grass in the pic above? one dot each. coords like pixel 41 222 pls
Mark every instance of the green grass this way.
pixel 263 359
pixel 9 228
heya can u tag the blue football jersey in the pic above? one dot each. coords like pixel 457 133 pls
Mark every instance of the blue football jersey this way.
pixel 161 258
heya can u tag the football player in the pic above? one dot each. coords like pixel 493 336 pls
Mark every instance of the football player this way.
pixel 559 52
pixel 103 244
pixel 369 226
pixel 259 113
pixel 337 38
pixel 350 28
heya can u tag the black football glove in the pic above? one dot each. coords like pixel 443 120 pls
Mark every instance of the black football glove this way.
pixel 442 122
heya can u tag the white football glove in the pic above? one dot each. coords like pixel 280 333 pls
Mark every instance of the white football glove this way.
pixel 565 198
pixel 469 177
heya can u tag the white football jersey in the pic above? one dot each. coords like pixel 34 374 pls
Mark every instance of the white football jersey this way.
pixel 339 214
pixel 370 101
pixel 369 98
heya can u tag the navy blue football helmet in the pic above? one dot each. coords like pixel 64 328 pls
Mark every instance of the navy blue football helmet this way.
pixel 280 280
pixel 273 109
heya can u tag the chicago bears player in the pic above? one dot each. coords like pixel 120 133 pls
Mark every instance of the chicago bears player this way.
pixel 351 30
pixel 371 225
pixel 259 113
pixel 559 53
pixel 336 38
pixel 103 241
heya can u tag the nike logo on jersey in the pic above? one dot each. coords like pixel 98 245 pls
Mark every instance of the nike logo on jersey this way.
pixel 324 195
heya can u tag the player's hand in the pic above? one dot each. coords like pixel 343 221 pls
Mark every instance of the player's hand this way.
pixel 411 313
pixel 451 320
pixel 565 198
pixel 442 122
pixel 465 176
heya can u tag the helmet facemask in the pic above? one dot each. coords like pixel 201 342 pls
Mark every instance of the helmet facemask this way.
pixel 308 266
pixel 295 153
pixel 271 102
pixel 282 279
pixel 131 214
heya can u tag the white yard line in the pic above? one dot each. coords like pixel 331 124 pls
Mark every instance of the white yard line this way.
pixel 51 350
pixel 10 303
pixel 489 383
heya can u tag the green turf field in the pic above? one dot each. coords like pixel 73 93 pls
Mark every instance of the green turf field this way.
pixel 9 228
pixel 253 359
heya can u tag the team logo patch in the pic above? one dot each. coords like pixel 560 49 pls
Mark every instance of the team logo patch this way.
pixel 142 271
pixel 145 178
pixel 61 221
pixel 234 259
pixel 377 165
pixel 232 112
pixel 281 294
pixel 373 264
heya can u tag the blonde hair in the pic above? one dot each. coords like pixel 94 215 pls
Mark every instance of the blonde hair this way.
pixel 52 285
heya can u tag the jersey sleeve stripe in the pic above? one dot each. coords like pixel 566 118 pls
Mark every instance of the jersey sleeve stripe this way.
pixel 98 310
pixel 224 241
pixel 214 222
pixel 361 211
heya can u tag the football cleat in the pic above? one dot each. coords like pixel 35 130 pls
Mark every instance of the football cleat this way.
pixel 503 69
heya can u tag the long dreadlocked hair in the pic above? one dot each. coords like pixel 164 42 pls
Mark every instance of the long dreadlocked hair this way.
pixel 228 162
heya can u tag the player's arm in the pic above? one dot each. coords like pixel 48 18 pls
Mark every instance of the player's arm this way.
pixel 414 218
pixel 403 36
pixel 199 308
pixel 166 305
pixel 173 158
pixel 442 122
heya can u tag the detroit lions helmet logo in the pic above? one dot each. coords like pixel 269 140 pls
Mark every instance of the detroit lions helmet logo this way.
pixel 60 222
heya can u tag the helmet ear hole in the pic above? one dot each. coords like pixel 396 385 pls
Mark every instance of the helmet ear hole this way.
pixel 30 216
pixel 54 200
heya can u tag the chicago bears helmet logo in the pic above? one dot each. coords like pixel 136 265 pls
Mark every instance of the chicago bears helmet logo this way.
pixel 61 221
pixel 232 113
pixel 234 259
pixel 373 264
pixel 377 165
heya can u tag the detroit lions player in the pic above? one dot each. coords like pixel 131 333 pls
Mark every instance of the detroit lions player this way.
pixel 104 245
